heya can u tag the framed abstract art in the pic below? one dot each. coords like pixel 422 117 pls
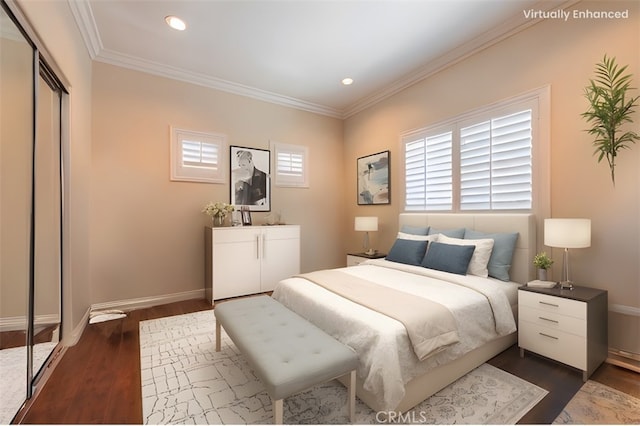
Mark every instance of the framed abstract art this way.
pixel 373 179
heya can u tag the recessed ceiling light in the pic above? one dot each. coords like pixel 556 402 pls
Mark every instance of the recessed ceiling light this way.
pixel 347 81
pixel 175 23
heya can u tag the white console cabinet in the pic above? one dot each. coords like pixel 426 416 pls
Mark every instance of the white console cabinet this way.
pixel 250 259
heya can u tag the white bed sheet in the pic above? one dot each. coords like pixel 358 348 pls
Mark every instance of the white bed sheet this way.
pixel 386 358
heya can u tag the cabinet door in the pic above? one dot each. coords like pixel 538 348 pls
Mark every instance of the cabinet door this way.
pixel 280 255
pixel 236 263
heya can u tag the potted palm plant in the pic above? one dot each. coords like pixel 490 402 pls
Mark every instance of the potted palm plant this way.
pixel 609 108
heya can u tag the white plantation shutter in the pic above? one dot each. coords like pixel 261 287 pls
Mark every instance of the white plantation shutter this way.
pixel 291 168
pixel 428 173
pixel 480 161
pixel 511 165
pixel 198 156
pixel 495 164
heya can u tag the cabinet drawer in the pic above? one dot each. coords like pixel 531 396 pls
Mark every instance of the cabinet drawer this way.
pixel 548 303
pixel 282 232
pixel 235 235
pixel 553 320
pixel 564 347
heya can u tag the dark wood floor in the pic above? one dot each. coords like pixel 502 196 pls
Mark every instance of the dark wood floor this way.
pixel 98 379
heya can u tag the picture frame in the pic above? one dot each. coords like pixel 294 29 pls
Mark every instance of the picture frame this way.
pixel 250 183
pixel 374 179
pixel 246 217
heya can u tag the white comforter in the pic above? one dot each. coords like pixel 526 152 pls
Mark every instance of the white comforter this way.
pixel 480 307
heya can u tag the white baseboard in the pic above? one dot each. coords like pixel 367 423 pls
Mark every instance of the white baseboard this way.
pixel 70 339
pixel 20 323
pixel 129 305
pixel 147 302
pixel 624 309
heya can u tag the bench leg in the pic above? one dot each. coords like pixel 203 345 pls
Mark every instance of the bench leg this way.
pixel 351 396
pixel 218 336
pixel 277 411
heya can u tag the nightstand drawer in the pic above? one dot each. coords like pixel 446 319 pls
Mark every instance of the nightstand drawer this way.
pixel 564 347
pixel 354 260
pixel 558 305
pixel 553 320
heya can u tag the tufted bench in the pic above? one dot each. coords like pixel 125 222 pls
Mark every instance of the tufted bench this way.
pixel 286 352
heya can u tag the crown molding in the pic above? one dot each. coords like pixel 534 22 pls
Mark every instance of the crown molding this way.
pixel 83 15
pixel 85 21
pixel 162 70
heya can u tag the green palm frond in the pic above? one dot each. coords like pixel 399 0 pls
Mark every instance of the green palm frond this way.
pixel 610 108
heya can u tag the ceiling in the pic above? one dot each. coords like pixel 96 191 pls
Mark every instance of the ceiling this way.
pixel 296 53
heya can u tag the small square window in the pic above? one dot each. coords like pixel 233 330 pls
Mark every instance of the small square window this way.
pixel 198 156
pixel 291 165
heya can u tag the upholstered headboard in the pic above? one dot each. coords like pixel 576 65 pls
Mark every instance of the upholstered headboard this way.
pixel 522 269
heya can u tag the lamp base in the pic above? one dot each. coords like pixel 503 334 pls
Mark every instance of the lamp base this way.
pixel 566 285
pixel 371 252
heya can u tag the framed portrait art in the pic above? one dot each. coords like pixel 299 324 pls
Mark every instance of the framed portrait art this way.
pixel 373 179
pixel 250 182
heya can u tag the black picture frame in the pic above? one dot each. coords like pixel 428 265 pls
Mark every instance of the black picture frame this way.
pixel 250 170
pixel 374 179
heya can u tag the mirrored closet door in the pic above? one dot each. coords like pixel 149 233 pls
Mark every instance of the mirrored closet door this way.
pixel 30 214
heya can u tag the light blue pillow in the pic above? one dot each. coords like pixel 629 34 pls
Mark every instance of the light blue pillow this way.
pixel 415 230
pixel 452 233
pixel 409 252
pixel 448 258
pixel 503 246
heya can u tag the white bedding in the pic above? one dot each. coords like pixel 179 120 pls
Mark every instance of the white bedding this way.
pixel 386 358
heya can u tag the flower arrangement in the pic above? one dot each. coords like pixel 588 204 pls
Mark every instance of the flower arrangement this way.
pixel 542 261
pixel 218 209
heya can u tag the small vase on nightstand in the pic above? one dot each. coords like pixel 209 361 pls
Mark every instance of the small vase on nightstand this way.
pixel 218 221
pixel 542 274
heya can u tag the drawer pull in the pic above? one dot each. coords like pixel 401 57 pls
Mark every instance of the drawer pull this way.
pixel 546 335
pixel 548 319
pixel 549 304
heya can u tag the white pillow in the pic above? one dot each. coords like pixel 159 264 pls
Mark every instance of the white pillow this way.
pixel 414 237
pixel 481 255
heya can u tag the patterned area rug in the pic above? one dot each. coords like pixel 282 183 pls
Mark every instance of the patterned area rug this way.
pixel 184 381
pixel 596 403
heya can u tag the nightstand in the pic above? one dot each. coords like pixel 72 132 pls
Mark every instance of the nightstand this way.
pixel 569 326
pixel 357 258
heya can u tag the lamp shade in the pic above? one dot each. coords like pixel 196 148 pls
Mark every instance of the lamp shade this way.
pixel 567 233
pixel 366 223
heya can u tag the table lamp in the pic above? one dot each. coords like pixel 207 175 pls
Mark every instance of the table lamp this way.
pixel 366 224
pixel 566 234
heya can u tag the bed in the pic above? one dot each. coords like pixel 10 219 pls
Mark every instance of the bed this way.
pixel 393 374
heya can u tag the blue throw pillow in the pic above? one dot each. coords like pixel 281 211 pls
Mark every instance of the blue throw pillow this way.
pixel 448 258
pixel 415 230
pixel 451 233
pixel 503 246
pixel 410 252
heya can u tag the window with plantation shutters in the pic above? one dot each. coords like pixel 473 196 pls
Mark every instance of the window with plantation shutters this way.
pixel 291 165
pixel 495 163
pixel 198 156
pixel 428 173
pixel 491 159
